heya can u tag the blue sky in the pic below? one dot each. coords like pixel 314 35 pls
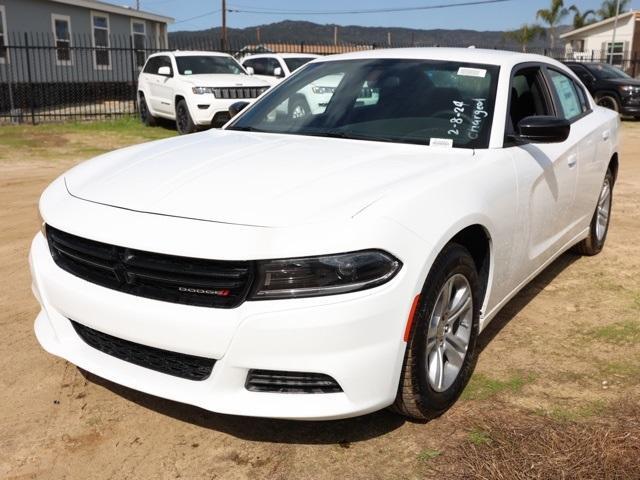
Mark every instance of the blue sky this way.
pixel 499 16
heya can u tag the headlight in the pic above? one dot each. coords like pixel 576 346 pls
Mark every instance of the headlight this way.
pixel 323 90
pixel 325 275
pixel 629 89
pixel 202 90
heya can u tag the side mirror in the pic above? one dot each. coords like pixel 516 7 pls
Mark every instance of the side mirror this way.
pixel 277 72
pixel 250 70
pixel 236 107
pixel 543 129
pixel 164 71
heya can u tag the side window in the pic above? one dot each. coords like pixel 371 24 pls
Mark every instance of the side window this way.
pixel 582 73
pixel 565 90
pixel 151 66
pixel 272 64
pixel 164 61
pixel 528 97
pixel 250 64
pixel 259 66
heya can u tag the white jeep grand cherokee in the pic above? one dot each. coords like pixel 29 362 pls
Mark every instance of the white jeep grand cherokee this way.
pixel 193 88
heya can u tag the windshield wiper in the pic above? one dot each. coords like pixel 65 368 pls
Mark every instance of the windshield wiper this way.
pixel 345 134
pixel 245 129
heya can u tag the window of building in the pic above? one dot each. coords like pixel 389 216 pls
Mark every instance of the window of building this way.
pixel 139 41
pixel 61 26
pixel 617 52
pixel 100 34
pixel 4 55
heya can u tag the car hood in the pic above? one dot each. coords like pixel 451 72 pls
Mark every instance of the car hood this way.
pixel 224 80
pixel 256 179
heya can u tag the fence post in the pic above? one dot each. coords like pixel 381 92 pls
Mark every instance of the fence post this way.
pixel 302 47
pixel 31 105
pixel 132 55
pixel 635 62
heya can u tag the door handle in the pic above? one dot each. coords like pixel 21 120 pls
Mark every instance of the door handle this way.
pixel 605 135
pixel 572 160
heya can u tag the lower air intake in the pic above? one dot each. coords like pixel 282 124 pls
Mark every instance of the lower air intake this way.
pixel 274 381
pixel 163 361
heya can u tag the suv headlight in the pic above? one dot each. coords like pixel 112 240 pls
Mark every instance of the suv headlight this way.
pixel 324 275
pixel 202 90
pixel 323 90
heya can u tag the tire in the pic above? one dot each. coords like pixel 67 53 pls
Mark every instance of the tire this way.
pixel 299 108
pixel 608 101
pixel 184 122
pixel 420 395
pixel 599 227
pixel 145 115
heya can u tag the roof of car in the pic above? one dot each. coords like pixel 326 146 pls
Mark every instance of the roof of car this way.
pixel 467 55
pixel 182 53
pixel 283 55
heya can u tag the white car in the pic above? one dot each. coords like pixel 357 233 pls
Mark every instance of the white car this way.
pixel 193 88
pixel 328 265
pixel 273 67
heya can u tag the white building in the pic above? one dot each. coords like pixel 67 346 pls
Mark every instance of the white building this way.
pixel 593 42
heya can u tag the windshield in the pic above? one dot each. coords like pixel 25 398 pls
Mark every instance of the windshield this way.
pixel 206 64
pixel 395 100
pixel 606 72
pixel 295 63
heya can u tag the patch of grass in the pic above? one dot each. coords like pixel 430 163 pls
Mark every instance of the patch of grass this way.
pixel 479 437
pixel 482 387
pixel 627 369
pixel 581 412
pixel 428 454
pixel 627 331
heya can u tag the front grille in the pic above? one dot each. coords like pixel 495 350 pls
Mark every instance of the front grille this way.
pixel 190 281
pixel 274 381
pixel 238 92
pixel 164 361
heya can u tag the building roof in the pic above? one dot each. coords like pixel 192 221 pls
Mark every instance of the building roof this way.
pixel 587 28
pixel 110 8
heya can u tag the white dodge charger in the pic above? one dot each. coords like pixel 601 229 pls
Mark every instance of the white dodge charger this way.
pixel 334 263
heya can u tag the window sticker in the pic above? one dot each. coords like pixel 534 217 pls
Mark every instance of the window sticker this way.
pixel 188 72
pixel 441 142
pixel 472 72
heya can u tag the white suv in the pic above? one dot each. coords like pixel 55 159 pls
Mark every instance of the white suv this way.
pixel 273 67
pixel 194 88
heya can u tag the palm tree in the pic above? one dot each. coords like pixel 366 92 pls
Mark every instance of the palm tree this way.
pixel 609 7
pixel 581 19
pixel 525 35
pixel 552 16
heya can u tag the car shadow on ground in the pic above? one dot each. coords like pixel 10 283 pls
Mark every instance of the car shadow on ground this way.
pixel 341 432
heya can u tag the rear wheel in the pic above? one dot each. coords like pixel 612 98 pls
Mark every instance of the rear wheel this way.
pixel 599 227
pixel 184 122
pixel 608 101
pixel 145 115
pixel 299 109
pixel 441 352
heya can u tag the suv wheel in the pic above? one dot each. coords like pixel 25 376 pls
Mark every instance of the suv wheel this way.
pixel 441 352
pixel 145 115
pixel 608 101
pixel 184 122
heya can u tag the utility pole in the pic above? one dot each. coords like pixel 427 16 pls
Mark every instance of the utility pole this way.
pixel 335 35
pixel 137 4
pixel 224 25
pixel 389 38
pixel 613 37
pixel 258 35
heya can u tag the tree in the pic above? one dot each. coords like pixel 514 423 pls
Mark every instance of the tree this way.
pixel 525 35
pixel 552 16
pixel 608 8
pixel 581 19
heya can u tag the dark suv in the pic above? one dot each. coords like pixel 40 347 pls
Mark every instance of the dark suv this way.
pixel 610 86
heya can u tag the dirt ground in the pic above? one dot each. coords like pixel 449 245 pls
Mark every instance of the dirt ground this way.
pixel 556 393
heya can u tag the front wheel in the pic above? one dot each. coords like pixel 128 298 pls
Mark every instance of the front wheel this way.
pixel 599 227
pixel 145 115
pixel 184 122
pixel 441 352
pixel 608 101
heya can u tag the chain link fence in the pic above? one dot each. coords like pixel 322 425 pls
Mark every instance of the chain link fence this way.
pixel 42 80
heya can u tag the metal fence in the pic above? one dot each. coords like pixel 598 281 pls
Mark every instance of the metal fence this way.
pixel 42 80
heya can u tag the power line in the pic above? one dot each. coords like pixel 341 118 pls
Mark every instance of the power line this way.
pixel 355 12
pixel 198 16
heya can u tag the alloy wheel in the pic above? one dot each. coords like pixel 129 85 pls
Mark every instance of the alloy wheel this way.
pixel 449 332
pixel 603 210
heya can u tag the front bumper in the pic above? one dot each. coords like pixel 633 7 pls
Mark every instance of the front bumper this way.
pixel 206 109
pixel 354 338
